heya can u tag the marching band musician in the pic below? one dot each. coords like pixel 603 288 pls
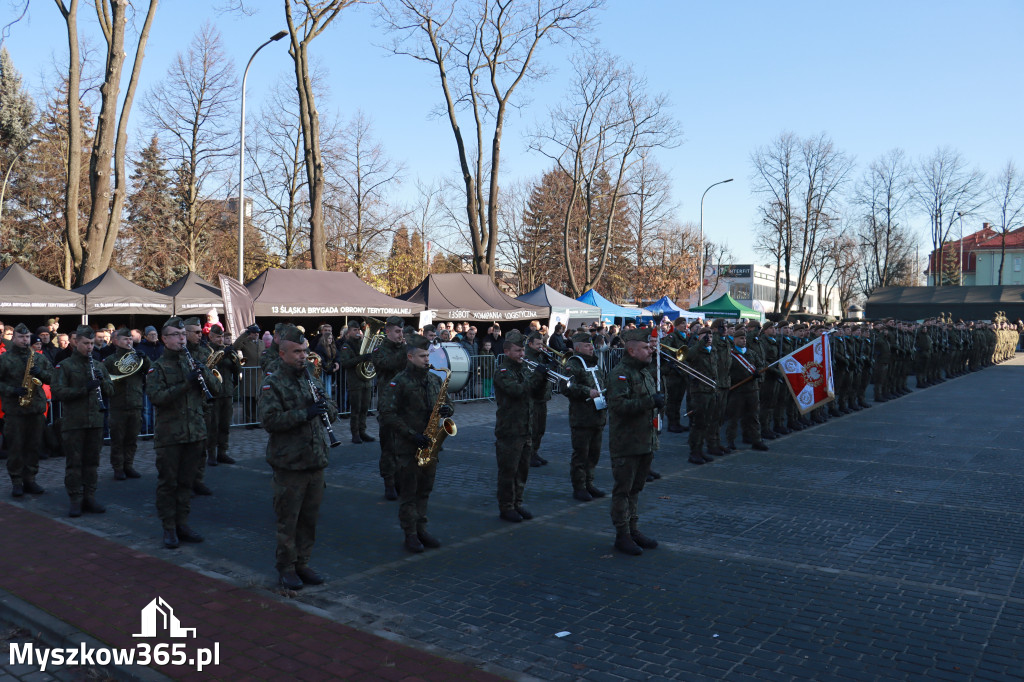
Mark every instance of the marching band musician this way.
pixel 389 358
pixel 406 405
pixel 701 397
pixel 360 389
pixel 201 353
pixel 83 387
pixel 230 369
pixel 587 417
pixel 23 425
pixel 675 380
pixel 292 405
pixel 539 404
pixel 125 404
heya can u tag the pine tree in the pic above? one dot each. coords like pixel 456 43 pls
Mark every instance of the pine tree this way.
pixel 17 112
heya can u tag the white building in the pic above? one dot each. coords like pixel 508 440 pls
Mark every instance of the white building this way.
pixel 754 286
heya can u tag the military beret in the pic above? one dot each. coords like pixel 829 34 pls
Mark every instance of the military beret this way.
pixel 679 321
pixel 123 331
pixel 718 322
pixel 84 331
pixel 216 326
pixel 533 335
pixel 515 338
pixel 22 328
pixel 642 335
pixel 753 324
pixel 695 323
pixel 394 322
pixel 174 322
pixel 582 337
pixel 193 322
pixel 417 342
pixel 429 328
pixel 253 329
pixel 291 333
pixel 767 325
pixel 740 333
pixel 354 324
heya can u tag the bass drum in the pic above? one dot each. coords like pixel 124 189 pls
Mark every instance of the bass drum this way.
pixel 454 357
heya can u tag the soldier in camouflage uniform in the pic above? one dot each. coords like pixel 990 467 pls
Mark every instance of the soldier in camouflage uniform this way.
pixel 700 396
pixel 230 369
pixel 771 382
pixel 271 357
pixel 586 421
pixel 360 389
pixel 721 347
pixel 744 380
pixel 201 353
pixel 389 358
pixel 515 387
pixel 406 404
pixel 923 354
pixel 673 380
pixel 538 405
pixel 125 406
pixel 862 336
pixel 292 405
pixel 881 357
pixel 633 403
pixel 174 386
pixel 77 383
pixel 23 426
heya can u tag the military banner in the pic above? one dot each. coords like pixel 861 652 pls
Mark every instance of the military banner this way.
pixel 238 306
pixel 808 372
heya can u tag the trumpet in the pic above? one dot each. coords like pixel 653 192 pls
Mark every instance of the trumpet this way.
pixel 561 357
pixel 553 376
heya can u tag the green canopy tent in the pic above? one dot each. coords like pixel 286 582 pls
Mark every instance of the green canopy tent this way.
pixel 727 307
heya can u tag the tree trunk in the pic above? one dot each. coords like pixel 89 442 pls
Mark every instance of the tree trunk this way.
pixel 74 160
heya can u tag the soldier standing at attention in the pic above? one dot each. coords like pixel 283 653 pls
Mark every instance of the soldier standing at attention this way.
pixel 360 389
pixel 230 368
pixel 389 359
pixel 633 403
pixel 201 353
pixel 292 405
pixel 23 426
pixel 538 405
pixel 406 404
pixel 701 397
pixel 675 380
pixel 125 406
pixel 77 383
pixel 585 420
pixel 514 389
pixel 744 394
pixel 175 389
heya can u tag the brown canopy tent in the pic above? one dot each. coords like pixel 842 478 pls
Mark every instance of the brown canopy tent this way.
pixel 458 296
pixel 963 303
pixel 112 294
pixel 321 293
pixel 193 295
pixel 22 293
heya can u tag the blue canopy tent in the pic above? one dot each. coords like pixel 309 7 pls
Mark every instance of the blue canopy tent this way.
pixel 610 312
pixel 667 309
pixel 566 310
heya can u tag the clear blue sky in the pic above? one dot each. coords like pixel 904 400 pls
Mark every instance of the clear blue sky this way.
pixel 873 75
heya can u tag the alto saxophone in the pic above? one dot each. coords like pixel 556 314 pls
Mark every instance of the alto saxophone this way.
pixel 437 428
pixel 29 382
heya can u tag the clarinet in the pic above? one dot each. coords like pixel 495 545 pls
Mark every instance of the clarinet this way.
pixel 99 389
pixel 202 381
pixel 321 398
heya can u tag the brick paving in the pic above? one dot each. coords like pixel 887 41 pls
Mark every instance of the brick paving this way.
pixel 884 545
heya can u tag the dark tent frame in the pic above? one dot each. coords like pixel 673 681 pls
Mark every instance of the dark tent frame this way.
pixel 193 295
pixel 454 297
pixel 286 294
pixel 963 303
pixel 22 293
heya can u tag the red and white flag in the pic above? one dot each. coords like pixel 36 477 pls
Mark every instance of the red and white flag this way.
pixel 808 372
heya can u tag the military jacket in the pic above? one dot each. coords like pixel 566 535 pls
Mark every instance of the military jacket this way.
pixel 707 364
pixel 515 385
pixel 739 373
pixel 12 373
pixel 81 405
pixel 672 342
pixel 582 413
pixel 883 351
pixel 179 403
pixel 770 354
pixel 230 368
pixel 348 358
pixel 270 359
pixel 720 347
pixel 128 392
pixel 631 409
pixel 540 359
pixel 841 360
pixel 923 344
pixel 388 360
pixel 406 403
pixel 295 442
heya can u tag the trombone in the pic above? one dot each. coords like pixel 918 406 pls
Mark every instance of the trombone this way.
pixel 675 358
pixel 553 376
pixel 561 357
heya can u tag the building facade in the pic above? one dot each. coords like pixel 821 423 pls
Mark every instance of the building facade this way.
pixel 753 285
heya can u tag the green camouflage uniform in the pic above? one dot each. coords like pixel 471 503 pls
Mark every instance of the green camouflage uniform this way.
pixel 538 406
pixel 673 381
pixel 125 410
pixel 744 410
pixel 515 387
pixel 771 382
pixel 388 360
pixel 632 438
pixel 23 426
pixel 700 397
pixel 81 422
pixel 586 422
pixel 360 389
pixel 201 354
pixel 219 434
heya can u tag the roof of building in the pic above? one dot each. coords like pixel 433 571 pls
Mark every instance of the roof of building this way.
pixel 1014 240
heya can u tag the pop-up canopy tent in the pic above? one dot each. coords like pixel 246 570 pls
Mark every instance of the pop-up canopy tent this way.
pixel 113 294
pixel 610 311
pixel 193 295
pixel 727 307
pixel 321 293
pixel 22 293
pixel 669 310
pixel 567 310
pixel 458 296
pixel 963 303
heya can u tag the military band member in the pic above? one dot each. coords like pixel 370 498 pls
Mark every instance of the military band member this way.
pixel 292 405
pixel 406 404
pixel 125 405
pixel 743 405
pixel 586 421
pixel 700 397
pixel 389 359
pixel 360 389
pixel 175 388
pixel 515 386
pixel 249 345
pixel 538 405
pixel 271 357
pixel 230 368
pixel 23 425
pixel 201 353
pixel 633 402
pixel 674 380
pixel 78 383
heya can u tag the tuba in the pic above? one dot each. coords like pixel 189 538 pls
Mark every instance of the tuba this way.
pixel 437 429
pixel 127 365
pixel 371 340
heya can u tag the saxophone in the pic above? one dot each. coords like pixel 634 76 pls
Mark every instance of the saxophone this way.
pixel 437 429
pixel 29 382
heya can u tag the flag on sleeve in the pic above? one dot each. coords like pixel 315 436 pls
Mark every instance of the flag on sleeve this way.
pixel 808 372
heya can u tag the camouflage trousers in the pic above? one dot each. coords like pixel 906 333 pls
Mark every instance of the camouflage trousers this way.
pixel 699 406
pixel 415 483
pixel 675 388
pixel 210 415
pixel 744 412
pixel 630 474
pixel 297 498
pixel 82 450
pixel 586 451
pixel 387 463
pixel 539 410
pixel 176 471
pixel 359 397
pixel 23 437
pixel 125 425
pixel 513 455
pixel 219 428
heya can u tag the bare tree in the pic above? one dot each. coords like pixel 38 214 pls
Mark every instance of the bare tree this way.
pixel 521 254
pixel 1007 200
pixel 606 127
pixel 650 205
pixel 192 112
pixel 483 51
pixel 945 189
pixel 881 199
pixel 92 256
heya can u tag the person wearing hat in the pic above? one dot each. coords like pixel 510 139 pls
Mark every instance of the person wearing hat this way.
pixel 515 387
pixel 389 358
pixel 538 405
pixel 633 404
pixel 23 424
pixel 175 387
pixel 83 386
pixel 125 404
pixel 700 396
pixel 248 347
pixel 200 353
pixel 406 404
pixel 218 438
pixel 882 356
pixel 673 379
pixel 271 355
pixel 360 389
pixel 292 411
pixel 743 410
pixel 721 349
pixel 586 420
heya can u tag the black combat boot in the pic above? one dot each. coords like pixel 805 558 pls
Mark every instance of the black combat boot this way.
pixel 365 437
pixel 582 495
pixel 186 534
pixel 170 539
pixel 130 472
pixel 90 505
pixel 224 458
pixel 426 539
pixel 413 544
pixel 595 491
pixel 625 543
pixel 290 580
pixel 33 488
pixel 308 576
pixel 642 540
pixel 356 439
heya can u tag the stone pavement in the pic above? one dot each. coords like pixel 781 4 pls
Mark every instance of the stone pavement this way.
pixel 884 545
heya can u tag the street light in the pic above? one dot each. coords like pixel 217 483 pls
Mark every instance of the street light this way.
pixel 241 163
pixel 962 249
pixel 700 275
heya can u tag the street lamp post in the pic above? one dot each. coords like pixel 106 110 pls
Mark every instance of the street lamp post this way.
pixel 700 275
pixel 961 215
pixel 241 163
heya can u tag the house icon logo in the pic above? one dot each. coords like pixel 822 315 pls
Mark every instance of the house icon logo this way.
pixel 157 617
